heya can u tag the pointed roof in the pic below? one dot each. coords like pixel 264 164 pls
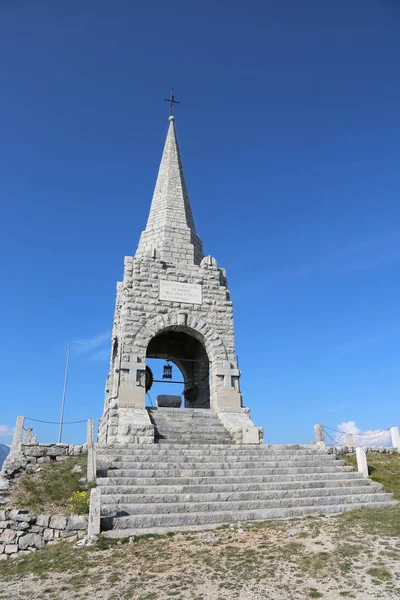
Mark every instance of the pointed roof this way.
pixel 170 229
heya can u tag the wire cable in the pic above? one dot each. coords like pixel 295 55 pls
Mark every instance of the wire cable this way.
pixel 56 422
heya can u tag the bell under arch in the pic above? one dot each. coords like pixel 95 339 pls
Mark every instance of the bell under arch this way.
pixel 185 348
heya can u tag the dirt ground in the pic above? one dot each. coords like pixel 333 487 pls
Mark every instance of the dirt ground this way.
pixel 356 555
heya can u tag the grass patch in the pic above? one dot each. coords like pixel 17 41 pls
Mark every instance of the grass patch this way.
pixel 313 593
pixel 49 487
pixel 376 521
pixel 59 559
pixel 380 573
pixel 383 468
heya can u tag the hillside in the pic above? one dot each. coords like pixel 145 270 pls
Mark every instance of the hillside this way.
pixel 354 555
pixel 4 450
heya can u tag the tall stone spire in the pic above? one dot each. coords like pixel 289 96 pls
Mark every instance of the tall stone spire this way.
pixel 170 233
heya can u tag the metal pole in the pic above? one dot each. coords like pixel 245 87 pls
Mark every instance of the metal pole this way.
pixel 64 393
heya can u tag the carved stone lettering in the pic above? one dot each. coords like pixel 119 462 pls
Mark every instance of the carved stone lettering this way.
pixel 175 291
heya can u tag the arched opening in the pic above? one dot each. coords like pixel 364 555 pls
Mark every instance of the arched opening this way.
pixel 185 348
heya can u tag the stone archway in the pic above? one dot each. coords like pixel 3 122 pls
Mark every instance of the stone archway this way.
pixel 201 330
pixel 185 348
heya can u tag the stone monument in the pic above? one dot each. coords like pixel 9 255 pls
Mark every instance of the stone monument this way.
pixel 173 303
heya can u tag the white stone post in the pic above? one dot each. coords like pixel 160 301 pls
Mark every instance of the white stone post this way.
pixel 362 461
pixel 319 436
pixel 16 441
pixel 394 432
pixel 94 514
pixel 349 440
pixel 90 432
pixel 91 453
pixel 91 464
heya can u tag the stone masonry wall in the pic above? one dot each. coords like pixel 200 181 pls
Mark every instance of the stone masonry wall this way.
pixel 22 533
pixel 17 462
pixel 143 314
pixel 140 315
pixel 339 450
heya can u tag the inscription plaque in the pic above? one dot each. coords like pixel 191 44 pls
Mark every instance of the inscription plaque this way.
pixel 175 291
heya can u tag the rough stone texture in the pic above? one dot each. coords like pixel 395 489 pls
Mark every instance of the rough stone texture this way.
pixel 94 513
pixel 170 251
pixel 165 487
pixel 29 438
pixel 239 425
pixel 27 455
pixel 31 540
pixel 58 522
pixel 124 425
pixel 189 426
pixel 170 233
pixel 36 533
pixel 13 464
pixel 339 450
pixel 21 515
pixel 7 536
pixel 76 523
pixel 319 435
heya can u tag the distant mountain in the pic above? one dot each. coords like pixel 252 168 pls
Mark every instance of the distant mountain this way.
pixel 4 450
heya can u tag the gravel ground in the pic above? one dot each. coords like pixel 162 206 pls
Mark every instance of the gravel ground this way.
pixel 351 556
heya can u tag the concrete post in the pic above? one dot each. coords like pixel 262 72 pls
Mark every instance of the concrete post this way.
pixel 91 464
pixel 16 441
pixel 319 436
pixel 94 514
pixel 394 432
pixel 362 461
pixel 349 440
pixel 91 455
pixel 90 432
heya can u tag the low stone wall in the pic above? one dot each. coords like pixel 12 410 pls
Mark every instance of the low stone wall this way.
pixel 19 460
pixel 22 533
pixel 339 450
pixel 42 453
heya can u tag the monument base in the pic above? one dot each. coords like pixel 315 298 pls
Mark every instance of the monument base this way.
pixel 127 425
pixel 131 395
pixel 242 429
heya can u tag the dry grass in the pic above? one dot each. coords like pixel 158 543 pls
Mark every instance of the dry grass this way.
pixel 354 555
pixel 383 468
pixel 48 487
pixel 329 558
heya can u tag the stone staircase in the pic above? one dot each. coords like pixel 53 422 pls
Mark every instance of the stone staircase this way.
pixel 188 426
pixel 172 487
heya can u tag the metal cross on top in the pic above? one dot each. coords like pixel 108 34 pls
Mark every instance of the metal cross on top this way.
pixel 171 101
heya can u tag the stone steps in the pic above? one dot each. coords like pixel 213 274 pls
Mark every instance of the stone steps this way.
pixel 187 508
pixel 206 450
pixel 188 426
pixel 319 485
pixel 233 472
pixel 204 440
pixel 113 462
pixel 136 523
pixel 196 477
pixel 121 499
pixel 228 479
pixel 182 412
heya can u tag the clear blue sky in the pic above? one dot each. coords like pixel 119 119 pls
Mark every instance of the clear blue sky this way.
pixel 289 131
